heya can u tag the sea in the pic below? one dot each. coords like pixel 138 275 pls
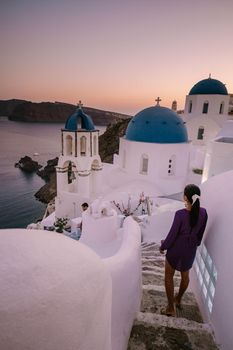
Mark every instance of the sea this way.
pixel 41 142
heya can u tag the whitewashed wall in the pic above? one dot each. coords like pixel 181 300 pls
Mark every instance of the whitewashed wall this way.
pixel 125 269
pixel 211 129
pixel 217 199
pixel 213 110
pixel 55 293
pixel 121 252
pixel 158 163
pixel 219 158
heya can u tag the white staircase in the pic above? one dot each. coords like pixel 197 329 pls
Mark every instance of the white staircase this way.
pixel 153 331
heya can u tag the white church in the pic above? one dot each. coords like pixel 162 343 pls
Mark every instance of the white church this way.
pixel 206 110
pixel 153 159
pixel 155 156
pixel 68 286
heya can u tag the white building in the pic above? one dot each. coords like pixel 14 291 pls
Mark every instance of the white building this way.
pixel 206 109
pixel 155 149
pixel 214 284
pixel 231 105
pixel 219 154
pixel 79 166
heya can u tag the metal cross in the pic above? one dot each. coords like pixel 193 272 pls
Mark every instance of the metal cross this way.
pixel 158 99
pixel 80 104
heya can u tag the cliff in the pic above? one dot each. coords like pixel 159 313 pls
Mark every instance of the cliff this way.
pixel 26 111
pixel 7 106
pixel 109 141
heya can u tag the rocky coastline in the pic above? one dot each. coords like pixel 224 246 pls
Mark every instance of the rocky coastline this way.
pixel 49 191
pixel 28 165
pixel 52 112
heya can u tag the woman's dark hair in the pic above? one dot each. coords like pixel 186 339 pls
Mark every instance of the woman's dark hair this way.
pixel 189 191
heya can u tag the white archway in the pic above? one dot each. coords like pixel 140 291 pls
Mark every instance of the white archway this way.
pixel 83 145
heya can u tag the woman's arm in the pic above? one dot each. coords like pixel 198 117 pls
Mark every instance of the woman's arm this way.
pixel 171 237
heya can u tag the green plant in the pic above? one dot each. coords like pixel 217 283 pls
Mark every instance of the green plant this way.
pixel 60 224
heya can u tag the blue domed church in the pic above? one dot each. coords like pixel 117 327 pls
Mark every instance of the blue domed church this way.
pixel 206 110
pixel 79 166
pixel 155 149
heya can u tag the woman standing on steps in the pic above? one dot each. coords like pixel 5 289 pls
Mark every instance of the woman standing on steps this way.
pixel 181 244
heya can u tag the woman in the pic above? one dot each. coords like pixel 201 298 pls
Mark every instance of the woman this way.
pixel 181 244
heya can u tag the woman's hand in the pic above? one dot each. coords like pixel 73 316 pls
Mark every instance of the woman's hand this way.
pixel 161 251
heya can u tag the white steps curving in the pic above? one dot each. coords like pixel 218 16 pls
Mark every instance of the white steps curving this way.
pixel 153 331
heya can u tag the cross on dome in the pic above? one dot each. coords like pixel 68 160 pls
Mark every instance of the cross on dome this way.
pixel 80 104
pixel 209 75
pixel 158 99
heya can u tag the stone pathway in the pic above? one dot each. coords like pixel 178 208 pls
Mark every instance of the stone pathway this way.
pixel 153 331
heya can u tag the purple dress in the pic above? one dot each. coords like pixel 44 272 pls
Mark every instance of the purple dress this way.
pixel 182 240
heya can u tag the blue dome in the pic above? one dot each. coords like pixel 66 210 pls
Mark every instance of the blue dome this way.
pixel 158 125
pixel 86 121
pixel 209 87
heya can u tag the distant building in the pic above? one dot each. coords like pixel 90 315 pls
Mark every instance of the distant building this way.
pixel 79 166
pixel 231 104
pixel 155 149
pixel 206 109
pixel 219 154
pixel 174 105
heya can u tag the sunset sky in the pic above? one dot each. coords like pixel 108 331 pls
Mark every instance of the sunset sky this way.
pixel 116 55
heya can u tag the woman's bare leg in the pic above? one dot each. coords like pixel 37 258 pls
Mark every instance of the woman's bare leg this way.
pixel 183 285
pixel 169 286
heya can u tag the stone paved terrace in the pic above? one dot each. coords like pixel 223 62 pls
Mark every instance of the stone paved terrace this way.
pixel 153 331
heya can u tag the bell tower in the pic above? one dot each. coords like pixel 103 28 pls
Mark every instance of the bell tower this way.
pixel 79 166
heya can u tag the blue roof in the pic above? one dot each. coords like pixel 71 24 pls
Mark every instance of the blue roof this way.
pixel 209 87
pixel 158 125
pixel 86 121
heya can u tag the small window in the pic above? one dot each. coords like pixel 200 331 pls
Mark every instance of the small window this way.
pixel 95 145
pixel 221 108
pixel 190 106
pixel 205 107
pixel 68 145
pixel 200 134
pixel 144 164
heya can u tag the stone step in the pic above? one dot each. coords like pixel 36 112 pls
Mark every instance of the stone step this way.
pixel 157 279
pixel 157 332
pixel 151 254
pixel 151 249
pixel 145 245
pixel 151 262
pixel 154 248
pixel 150 267
pixel 154 299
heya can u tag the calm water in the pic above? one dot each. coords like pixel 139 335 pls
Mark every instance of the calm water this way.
pixel 18 206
